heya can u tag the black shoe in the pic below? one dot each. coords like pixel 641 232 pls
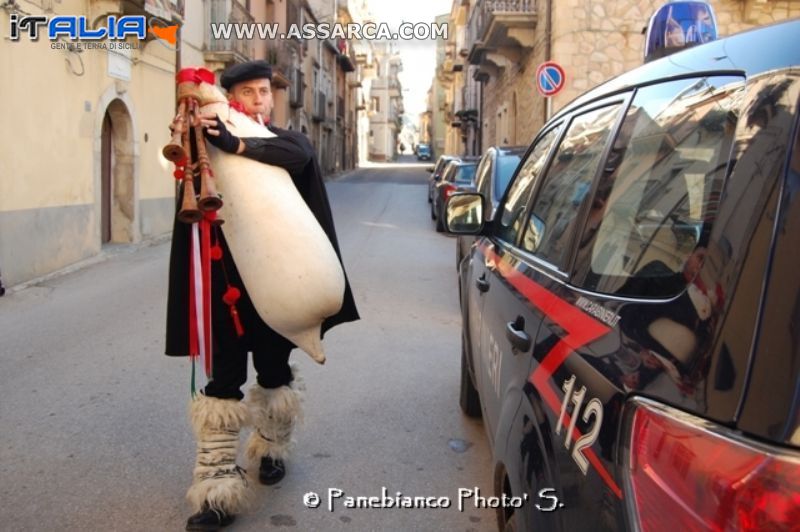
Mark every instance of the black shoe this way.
pixel 209 520
pixel 271 471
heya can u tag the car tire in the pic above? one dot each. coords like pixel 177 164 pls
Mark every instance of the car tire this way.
pixel 469 400
pixel 440 224
pixel 433 213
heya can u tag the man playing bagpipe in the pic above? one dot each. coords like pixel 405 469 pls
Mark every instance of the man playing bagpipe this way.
pixel 236 326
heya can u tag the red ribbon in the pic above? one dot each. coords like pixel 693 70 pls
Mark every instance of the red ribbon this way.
pixel 194 348
pixel 195 75
pixel 233 104
pixel 205 258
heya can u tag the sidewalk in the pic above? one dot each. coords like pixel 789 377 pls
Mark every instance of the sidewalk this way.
pixel 108 251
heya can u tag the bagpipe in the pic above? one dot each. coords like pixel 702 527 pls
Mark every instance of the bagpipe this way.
pixel 288 265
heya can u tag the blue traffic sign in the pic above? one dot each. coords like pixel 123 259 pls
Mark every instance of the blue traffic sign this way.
pixel 550 78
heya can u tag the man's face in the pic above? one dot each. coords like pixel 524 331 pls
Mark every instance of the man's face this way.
pixel 255 95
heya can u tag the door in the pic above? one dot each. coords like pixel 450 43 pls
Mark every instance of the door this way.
pixel 509 323
pixel 106 154
pixel 559 386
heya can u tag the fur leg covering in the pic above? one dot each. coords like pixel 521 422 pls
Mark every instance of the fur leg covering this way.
pixel 274 413
pixel 218 482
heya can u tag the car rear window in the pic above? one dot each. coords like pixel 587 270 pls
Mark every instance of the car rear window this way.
pixel 465 174
pixel 658 195
pixel 506 164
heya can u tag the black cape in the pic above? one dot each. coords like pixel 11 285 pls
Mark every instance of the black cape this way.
pixel 293 152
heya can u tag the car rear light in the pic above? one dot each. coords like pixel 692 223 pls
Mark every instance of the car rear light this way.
pixel 684 473
pixel 448 190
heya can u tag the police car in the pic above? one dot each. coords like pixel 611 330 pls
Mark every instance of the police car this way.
pixel 631 315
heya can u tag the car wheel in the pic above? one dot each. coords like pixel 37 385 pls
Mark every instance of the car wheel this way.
pixel 433 213
pixel 469 399
pixel 440 224
pixel 506 517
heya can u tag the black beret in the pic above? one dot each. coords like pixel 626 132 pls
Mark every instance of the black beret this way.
pixel 245 72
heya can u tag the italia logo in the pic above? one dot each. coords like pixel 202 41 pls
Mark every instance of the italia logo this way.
pixel 78 28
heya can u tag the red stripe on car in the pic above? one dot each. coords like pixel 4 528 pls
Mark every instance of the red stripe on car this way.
pixel 581 330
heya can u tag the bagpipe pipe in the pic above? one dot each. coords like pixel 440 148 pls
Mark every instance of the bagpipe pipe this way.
pixel 179 150
pixel 286 262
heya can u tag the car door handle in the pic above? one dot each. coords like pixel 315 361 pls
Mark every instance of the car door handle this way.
pixel 515 332
pixel 482 283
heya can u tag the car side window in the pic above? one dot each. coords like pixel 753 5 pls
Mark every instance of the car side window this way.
pixel 447 173
pixel 480 173
pixel 567 182
pixel 650 219
pixel 513 210
pixel 484 179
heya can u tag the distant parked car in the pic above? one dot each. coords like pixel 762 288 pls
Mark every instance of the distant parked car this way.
pixel 458 176
pixel 423 152
pixel 492 176
pixel 436 175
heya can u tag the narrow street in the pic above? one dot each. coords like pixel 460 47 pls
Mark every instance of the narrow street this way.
pixel 94 416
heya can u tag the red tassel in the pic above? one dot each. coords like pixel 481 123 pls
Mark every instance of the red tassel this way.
pixel 216 252
pixel 231 296
pixel 236 322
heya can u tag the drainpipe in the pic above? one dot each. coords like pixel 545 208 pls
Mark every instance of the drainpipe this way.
pixel 336 132
pixel 548 51
pixel 480 117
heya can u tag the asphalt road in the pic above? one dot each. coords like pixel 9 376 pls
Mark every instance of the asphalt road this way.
pixel 93 417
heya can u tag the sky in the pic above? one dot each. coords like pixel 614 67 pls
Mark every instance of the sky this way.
pixel 419 57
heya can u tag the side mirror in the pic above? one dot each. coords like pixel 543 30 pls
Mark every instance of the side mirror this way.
pixel 430 169
pixel 464 213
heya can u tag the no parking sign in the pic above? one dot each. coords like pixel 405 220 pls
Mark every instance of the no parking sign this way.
pixel 549 78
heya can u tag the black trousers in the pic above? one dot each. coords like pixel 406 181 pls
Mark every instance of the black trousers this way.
pixel 270 349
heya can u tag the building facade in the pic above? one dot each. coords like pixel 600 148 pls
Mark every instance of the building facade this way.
pixel 385 103
pixel 81 166
pixel 505 41
pixel 105 114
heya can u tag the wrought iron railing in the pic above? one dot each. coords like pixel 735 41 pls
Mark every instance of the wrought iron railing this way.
pixel 223 12
pixel 481 14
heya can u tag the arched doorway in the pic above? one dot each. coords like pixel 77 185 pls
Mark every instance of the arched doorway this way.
pixel 117 182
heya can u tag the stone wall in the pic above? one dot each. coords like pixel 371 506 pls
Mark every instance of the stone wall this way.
pixel 593 41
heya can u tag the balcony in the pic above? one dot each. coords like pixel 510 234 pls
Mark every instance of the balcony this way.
pixel 320 106
pixel 347 59
pixel 395 89
pixel 282 54
pixel 501 31
pixel 231 50
pixel 167 11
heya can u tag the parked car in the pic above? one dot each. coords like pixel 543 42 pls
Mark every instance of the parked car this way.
pixel 458 175
pixel 423 152
pixel 436 175
pixel 492 176
pixel 630 316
